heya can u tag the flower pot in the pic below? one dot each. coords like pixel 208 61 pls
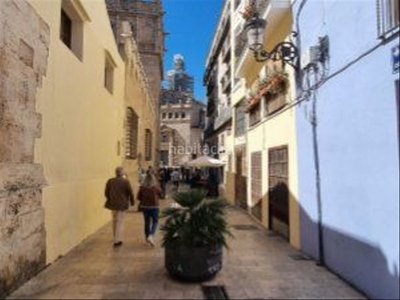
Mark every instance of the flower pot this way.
pixel 193 264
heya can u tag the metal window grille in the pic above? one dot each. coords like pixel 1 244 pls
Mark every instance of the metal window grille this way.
pixel 148 145
pixel 388 18
pixel 132 124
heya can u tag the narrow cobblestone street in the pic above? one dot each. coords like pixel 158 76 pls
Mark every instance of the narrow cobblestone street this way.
pixel 258 264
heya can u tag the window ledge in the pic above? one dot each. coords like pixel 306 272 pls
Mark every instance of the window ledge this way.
pixel 388 35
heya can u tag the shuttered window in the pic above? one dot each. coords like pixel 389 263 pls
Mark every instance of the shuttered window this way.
pixel 273 104
pixel 256 184
pixel 132 124
pixel 388 18
pixel 148 145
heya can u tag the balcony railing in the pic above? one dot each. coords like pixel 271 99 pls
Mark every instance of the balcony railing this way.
pixel 273 11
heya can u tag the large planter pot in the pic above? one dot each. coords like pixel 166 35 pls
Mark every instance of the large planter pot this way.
pixel 193 264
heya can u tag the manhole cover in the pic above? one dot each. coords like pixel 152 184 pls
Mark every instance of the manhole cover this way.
pixel 214 292
pixel 244 227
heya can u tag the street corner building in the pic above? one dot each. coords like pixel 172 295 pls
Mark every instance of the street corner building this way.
pixel 75 102
pixel 303 107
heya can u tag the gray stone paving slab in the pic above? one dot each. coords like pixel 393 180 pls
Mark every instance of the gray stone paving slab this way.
pixel 257 265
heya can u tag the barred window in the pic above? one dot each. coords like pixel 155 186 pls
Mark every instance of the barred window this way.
pixel 148 144
pixel 132 125
pixel 388 18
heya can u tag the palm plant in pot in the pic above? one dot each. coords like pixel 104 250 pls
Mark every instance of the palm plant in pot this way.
pixel 195 233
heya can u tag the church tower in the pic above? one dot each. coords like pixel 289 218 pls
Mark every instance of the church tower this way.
pixel 146 20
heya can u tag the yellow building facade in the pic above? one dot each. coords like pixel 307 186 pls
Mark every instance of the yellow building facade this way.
pixel 83 102
pixel 264 160
pixel 141 153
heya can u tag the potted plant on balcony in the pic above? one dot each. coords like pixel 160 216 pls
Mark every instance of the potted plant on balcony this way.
pixel 194 235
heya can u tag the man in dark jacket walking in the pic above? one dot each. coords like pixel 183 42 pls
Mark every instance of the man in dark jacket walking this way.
pixel 118 193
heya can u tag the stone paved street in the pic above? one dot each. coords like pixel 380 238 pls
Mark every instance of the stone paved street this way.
pixel 258 264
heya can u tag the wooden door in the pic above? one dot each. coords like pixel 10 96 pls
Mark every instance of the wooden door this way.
pixel 240 180
pixel 278 193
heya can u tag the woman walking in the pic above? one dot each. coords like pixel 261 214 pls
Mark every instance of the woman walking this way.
pixel 149 195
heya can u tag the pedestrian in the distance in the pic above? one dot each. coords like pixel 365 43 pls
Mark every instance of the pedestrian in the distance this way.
pixel 149 195
pixel 162 178
pixel 176 177
pixel 119 194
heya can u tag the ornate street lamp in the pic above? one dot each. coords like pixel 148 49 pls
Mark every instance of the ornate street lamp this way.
pixel 286 52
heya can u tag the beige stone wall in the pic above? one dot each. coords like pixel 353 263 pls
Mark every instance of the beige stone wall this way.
pixel 139 98
pixel 82 126
pixel 24 42
pixel 61 129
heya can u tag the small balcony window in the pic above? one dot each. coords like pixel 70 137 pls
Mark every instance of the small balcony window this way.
pixel 73 16
pixel 66 29
pixel 109 73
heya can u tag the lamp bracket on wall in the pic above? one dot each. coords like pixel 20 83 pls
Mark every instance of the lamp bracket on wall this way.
pixel 286 52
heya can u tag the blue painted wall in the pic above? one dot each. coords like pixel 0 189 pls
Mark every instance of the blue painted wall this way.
pixel 358 147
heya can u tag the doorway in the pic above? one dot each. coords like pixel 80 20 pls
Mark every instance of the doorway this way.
pixel 240 179
pixel 278 193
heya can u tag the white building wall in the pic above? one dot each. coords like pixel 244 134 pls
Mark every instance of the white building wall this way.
pixel 358 141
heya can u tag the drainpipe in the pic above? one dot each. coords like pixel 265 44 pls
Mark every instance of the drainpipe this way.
pixel 314 124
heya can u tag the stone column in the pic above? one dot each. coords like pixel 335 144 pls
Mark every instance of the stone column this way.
pixel 24 42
